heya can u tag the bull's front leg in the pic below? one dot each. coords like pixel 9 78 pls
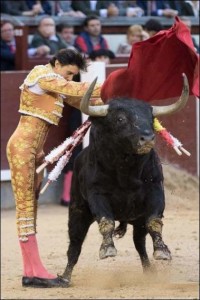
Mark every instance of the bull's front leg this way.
pixel 102 212
pixel 161 251
pixel 155 209
pixel 106 228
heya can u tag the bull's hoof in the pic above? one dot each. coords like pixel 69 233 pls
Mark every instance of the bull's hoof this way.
pixel 162 254
pixel 150 269
pixel 107 251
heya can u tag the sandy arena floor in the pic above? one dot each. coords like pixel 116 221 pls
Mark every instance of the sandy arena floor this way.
pixel 114 278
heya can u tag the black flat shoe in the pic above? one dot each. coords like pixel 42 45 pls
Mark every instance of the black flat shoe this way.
pixel 27 281
pixel 44 282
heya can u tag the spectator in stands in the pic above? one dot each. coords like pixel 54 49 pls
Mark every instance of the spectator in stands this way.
pixel 100 8
pixel 152 26
pixel 91 38
pixel 102 55
pixel 19 8
pixel 135 33
pixel 3 7
pixel 46 35
pixel 8 47
pixel 188 23
pixel 43 6
pixel 60 8
pixel 74 121
pixel 157 8
pixel 129 8
pixel 189 8
pixel 66 33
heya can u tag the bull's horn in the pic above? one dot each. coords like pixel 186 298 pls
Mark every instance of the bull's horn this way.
pixel 99 110
pixel 178 105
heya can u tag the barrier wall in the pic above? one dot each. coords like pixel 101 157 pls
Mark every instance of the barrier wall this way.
pixel 183 125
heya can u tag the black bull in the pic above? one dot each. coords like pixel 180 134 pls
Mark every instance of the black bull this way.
pixel 118 177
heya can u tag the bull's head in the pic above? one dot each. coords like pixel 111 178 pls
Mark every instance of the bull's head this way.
pixel 130 123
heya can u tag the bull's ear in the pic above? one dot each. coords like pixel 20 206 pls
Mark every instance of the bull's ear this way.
pixel 169 109
pixel 98 111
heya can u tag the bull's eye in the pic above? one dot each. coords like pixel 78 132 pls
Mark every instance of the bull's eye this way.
pixel 120 119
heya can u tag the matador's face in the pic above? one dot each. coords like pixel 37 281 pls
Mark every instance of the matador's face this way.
pixel 67 71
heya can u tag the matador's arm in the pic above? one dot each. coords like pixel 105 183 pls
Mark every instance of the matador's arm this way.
pixel 74 91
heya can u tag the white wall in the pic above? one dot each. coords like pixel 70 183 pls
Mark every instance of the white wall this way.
pixel 114 40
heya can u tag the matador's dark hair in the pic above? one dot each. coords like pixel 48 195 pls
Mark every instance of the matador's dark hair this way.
pixel 69 57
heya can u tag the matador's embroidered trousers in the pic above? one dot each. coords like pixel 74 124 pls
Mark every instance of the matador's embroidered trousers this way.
pixel 25 154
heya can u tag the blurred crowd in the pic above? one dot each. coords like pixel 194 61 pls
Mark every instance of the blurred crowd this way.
pixel 49 38
pixel 76 8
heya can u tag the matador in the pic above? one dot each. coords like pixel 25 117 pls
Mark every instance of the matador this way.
pixel 43 94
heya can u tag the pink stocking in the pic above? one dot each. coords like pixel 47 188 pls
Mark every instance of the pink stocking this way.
pixel 31 259
pixel 67 186
pixel 26 262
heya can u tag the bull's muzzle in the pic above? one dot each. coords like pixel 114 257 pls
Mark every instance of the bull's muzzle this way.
pixel 146 143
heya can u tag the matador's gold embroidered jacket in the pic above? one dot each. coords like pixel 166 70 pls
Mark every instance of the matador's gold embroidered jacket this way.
pixel 49 105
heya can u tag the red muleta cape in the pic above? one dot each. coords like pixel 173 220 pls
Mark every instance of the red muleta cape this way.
pixel 155 68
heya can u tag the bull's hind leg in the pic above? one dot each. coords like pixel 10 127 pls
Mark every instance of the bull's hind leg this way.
pixel 106 228
pixel 139 238
pixel 120 231
pixel 161 251
pixel 79 223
